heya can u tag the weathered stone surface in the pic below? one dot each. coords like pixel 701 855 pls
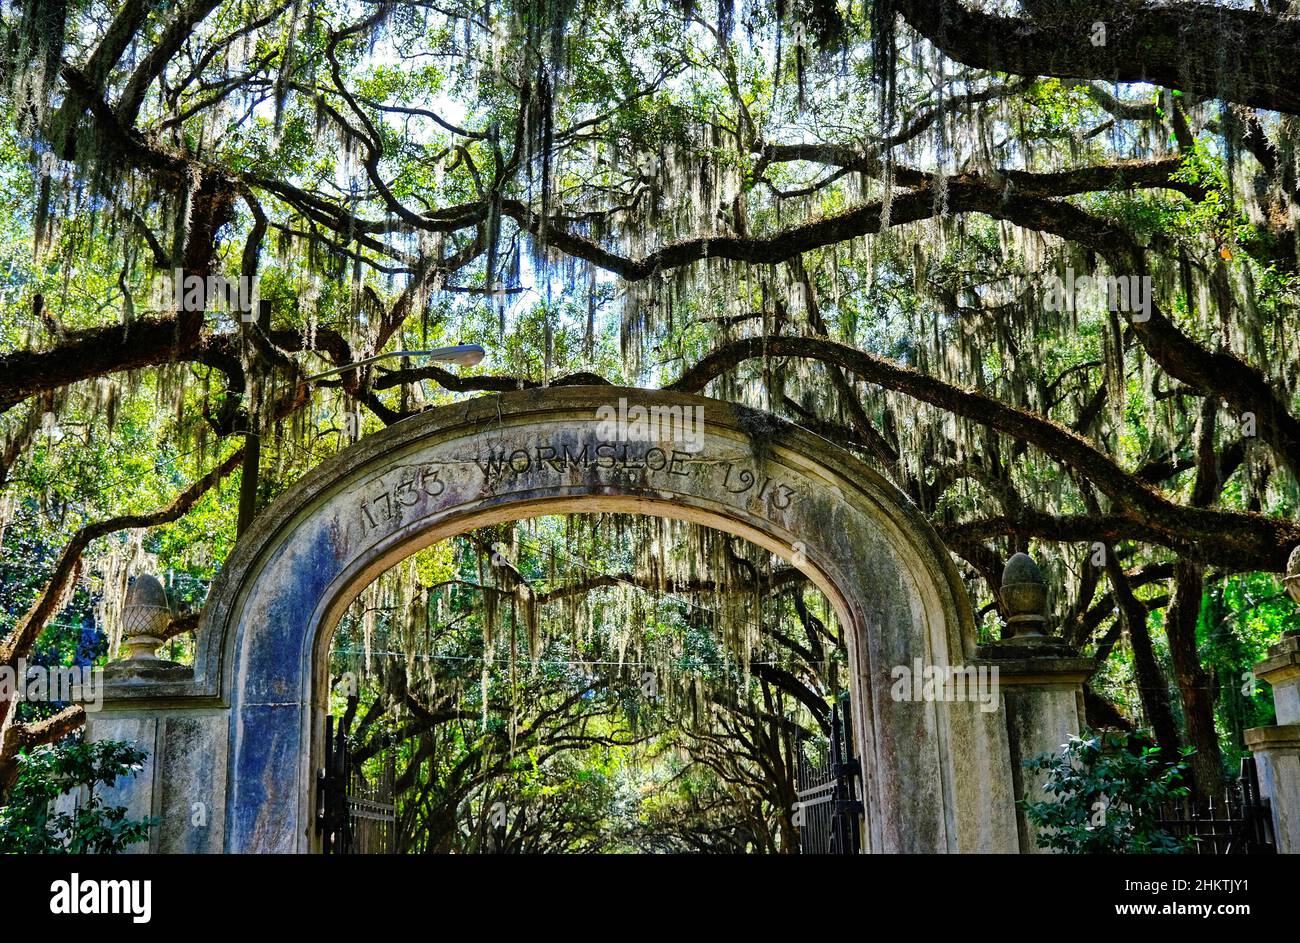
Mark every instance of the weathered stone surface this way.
pixel 192 781
pixel 135 792
pixel 1042 682
pixel 141 672
pixel 1277 762
pixel 1024 593
pixel 938 773
pixel 1281 669
pixel 1277 748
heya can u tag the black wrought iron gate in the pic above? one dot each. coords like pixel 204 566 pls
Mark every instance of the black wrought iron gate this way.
pixel 1238 821
pixel 356 814
pixel 830 807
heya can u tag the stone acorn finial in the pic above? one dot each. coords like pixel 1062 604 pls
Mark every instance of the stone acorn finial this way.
pixel 145 617
pixel 1292 579
pixel 1024 593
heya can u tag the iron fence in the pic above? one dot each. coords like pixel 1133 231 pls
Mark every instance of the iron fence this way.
pixel 1238 821
pixel 356 812
pixel 830 803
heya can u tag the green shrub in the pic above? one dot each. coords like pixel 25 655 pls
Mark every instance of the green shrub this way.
pixel 1105 787
pixel 29 825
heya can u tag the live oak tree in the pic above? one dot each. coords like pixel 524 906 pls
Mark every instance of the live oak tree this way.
pixel 849 215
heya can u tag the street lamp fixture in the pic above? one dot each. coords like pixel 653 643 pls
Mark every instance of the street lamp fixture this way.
pixel 462 355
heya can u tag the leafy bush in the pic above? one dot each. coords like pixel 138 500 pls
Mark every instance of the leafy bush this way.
pixel 29 824
pixel 1106 787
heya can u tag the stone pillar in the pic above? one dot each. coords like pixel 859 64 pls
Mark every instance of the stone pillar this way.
pixel 1041 679
pixel 182 782
pixel 1277 748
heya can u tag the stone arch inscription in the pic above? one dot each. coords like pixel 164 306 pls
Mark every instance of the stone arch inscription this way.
pixel 242 732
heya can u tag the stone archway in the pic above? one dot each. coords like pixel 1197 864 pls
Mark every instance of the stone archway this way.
pixel 938 775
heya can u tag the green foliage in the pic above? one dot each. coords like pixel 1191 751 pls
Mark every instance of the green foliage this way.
pixel 663 123
pixel 29 824
pixel 618 719
pixel 1105 786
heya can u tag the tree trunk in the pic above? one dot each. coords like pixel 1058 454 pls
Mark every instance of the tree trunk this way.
pixel 1151 680
pixel 1195 684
